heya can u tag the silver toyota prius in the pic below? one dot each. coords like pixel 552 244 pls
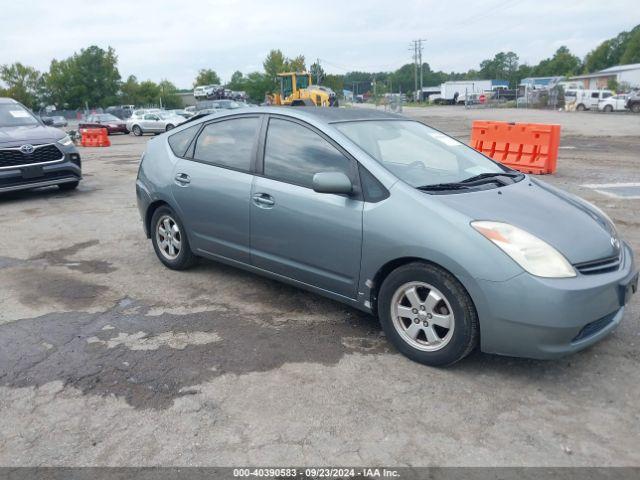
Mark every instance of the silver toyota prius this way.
pixel 449 249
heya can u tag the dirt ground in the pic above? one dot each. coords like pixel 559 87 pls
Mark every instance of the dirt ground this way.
pixel 108 358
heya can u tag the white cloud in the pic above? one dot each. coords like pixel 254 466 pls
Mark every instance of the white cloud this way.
pixel 168 39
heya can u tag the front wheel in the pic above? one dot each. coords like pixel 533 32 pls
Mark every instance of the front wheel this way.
pixel 169 127
pixel 428 315
pixel 170 240
pixel 137 131
pixel 580 108
pixel 635 108
pixel 608 108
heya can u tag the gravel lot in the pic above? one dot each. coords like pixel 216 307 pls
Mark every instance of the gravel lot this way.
pixel 108 358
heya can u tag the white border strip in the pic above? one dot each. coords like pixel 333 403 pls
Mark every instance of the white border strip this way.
pixel 599 186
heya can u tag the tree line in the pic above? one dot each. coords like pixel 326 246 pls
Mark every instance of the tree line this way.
pixel 90 77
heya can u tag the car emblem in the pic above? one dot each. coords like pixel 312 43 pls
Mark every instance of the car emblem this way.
pixel 615 243
pixel 27 149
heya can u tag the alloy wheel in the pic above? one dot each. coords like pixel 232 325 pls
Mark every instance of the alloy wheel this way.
pixel 422 316
pixel 168 237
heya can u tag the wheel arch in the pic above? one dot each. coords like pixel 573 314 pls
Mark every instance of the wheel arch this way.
pixel 467 282
pixel 153 206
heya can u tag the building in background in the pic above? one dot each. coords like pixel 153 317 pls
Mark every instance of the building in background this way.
pixel 628 75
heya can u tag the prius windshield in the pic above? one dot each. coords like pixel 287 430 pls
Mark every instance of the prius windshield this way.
pixel 417 154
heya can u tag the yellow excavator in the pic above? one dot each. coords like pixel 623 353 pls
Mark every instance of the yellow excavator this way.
pixel 296 89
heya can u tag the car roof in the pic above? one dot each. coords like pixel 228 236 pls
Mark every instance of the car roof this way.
pixel 322 115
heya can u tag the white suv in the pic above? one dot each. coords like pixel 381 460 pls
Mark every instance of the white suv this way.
pixel 204 91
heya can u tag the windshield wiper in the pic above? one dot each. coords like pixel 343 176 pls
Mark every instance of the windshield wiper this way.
pixel 443 186
pixel 490 175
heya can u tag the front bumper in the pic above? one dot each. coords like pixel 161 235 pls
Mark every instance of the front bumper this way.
pixel 27 177
pixel 543 318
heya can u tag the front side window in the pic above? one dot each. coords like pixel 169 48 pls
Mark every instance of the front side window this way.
pixel 294 154
pixel 417 154
pixel 302 81
pixel 286 86
pixel 15 115
pixel 228 143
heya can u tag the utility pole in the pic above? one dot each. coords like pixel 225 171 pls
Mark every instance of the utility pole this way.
pixel 417 60
pixel 318 71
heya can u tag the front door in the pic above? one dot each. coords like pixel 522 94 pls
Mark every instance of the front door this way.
pixel 311 237
pixel 212 189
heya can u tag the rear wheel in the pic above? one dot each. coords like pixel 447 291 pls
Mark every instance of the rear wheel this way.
pixel 170 240
pixel 137 131
pixel 169 127
pixel 428 315
pixel 580 108
pixel 608 108
pixel 635 108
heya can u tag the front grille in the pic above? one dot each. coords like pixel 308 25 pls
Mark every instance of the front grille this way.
pixel 604 265
pixel 13 157
pixel 592 328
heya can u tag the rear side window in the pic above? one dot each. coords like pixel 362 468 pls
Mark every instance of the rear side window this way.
pixel 294 154
pixel 179 142
pixel 228 143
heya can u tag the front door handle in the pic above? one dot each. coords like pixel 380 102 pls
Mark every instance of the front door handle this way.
pixel 263 200
pixel 183 178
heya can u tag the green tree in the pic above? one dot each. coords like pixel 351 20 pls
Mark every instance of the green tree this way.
pixel 129 91
pixel 563 63
pixel 148 94
pixel 296 64
pixel 23 83
pixel 90 78
pixel 632 48
pixel 317 73
pixel 206 76
pixel 169 95
pixel 257 85
pixel 334 82
pixel 274 64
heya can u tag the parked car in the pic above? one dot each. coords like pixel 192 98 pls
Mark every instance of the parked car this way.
pixel 206 91
pixel 122 112
pixel 617 103
pixel 182 113
pixel 633 103
pixel 154 123
pixel 586 99
pixel 105 120
pixel 225 104
pixel 33 154
pixel 447 247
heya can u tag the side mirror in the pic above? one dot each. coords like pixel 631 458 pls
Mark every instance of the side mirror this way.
pixel 48 121
pixel 332 182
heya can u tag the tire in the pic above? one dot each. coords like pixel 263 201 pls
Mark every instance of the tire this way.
pixel 137 131
pixel 126 132
pixel 635 108
pixel 171 255
pixel 580 108
pixel 168 127
pixel 65 187
pixel 608 108
pixel 438 295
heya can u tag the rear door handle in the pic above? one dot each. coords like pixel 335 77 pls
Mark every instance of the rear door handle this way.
pixel 183 178
pixel 263 200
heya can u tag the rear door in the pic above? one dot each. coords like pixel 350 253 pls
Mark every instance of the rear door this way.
pixel 212 186
pixel 311 237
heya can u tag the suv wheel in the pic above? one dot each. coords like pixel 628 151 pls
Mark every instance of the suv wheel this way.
pixel 635 108
pixel 428 315
pixel 170 241
pixel 137 131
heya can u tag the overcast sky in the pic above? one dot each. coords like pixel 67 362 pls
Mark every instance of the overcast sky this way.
pixel 174 39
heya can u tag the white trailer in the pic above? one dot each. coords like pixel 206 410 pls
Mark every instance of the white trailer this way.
pixel 448 90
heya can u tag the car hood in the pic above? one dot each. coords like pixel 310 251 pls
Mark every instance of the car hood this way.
pixel 571 225
pixel 12 136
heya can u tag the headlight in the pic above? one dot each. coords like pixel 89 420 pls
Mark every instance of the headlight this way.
pixel 534 255
pixel 66 141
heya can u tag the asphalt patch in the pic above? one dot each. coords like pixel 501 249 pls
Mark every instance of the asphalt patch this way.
pixel 85 351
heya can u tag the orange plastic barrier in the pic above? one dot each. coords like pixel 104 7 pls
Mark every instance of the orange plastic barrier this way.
pixel 94 137
pixel 526 147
